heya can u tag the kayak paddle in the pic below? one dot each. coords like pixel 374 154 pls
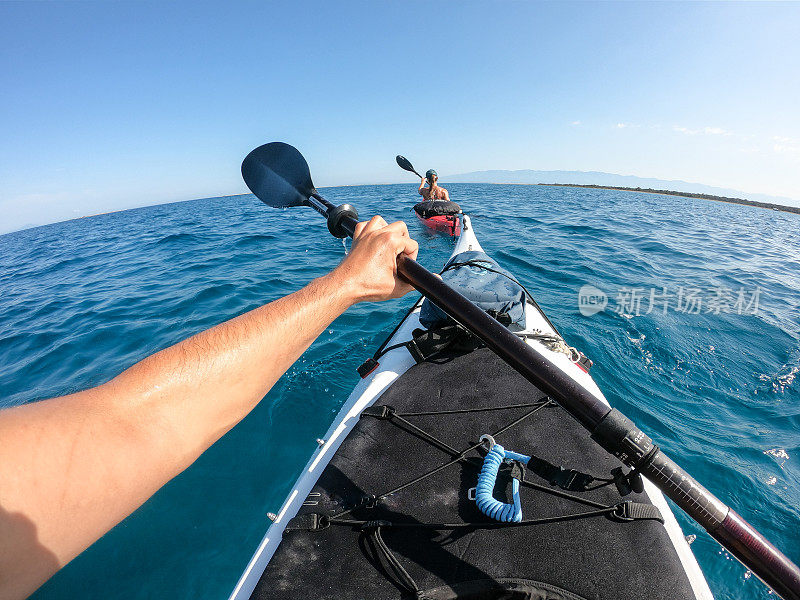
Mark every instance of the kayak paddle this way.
pixel 279 176
pixel 405 164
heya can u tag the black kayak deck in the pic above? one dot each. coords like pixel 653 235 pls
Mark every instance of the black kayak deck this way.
pixel 585 558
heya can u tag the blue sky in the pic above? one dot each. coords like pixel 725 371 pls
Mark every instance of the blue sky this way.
pixel 112 105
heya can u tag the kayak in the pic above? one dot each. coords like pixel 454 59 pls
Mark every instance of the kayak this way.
pixel 447 475
pixel 443 216
pixel 384 506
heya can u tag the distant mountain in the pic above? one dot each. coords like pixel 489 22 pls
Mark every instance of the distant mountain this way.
pixel 600 178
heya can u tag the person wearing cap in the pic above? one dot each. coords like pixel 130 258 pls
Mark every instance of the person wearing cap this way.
pixel 433 192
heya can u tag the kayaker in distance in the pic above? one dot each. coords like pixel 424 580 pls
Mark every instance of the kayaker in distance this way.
pixel 73 467
pixel 434 192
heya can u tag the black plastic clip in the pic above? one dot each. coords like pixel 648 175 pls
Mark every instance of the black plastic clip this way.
pixel 569 479
pixel 635 481
pixel 367 367
pixel 309 522
pixel 584 362
pixel 627 482
pixel 375 524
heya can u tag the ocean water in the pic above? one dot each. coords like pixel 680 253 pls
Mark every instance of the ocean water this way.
pixel 716 385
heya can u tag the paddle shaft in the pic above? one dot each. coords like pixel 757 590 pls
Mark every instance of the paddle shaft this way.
pixel 612 430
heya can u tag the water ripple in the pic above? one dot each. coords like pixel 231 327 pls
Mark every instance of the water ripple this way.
pixel 82 300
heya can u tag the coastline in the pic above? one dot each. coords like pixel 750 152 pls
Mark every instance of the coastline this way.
pixel 766 205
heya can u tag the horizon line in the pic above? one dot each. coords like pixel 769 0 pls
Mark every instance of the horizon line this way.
pixel 677 193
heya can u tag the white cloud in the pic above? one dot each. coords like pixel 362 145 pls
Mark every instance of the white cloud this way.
pixel 703 130
pixel 779 144
pixel 785 140
pixel 623 125
pixel 791 149
pixel 576 122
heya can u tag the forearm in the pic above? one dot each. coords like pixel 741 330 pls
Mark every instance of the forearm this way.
pixel 200 388
pixel 75 466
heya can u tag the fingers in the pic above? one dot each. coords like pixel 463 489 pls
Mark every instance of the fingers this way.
pixel 377 223
pixel 365 227
pixel 398 227
pixel 374 224
pixel 408 247
pixel 401 286
pixel 372 262
pixel 399 238
pixel 414 251
pixel 359 229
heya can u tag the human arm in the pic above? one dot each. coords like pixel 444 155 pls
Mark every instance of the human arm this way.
pixel 73 467
pixel 421 189
pixel 446 194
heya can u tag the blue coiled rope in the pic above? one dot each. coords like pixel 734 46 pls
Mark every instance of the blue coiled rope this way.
pixel 487 504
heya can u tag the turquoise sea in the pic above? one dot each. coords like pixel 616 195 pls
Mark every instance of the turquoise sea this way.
pixel 715 383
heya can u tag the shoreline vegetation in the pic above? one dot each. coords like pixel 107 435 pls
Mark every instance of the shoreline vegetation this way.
pixel 767 205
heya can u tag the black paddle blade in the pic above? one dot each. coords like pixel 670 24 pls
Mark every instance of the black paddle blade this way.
pixel 405 164
pixel 278 175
